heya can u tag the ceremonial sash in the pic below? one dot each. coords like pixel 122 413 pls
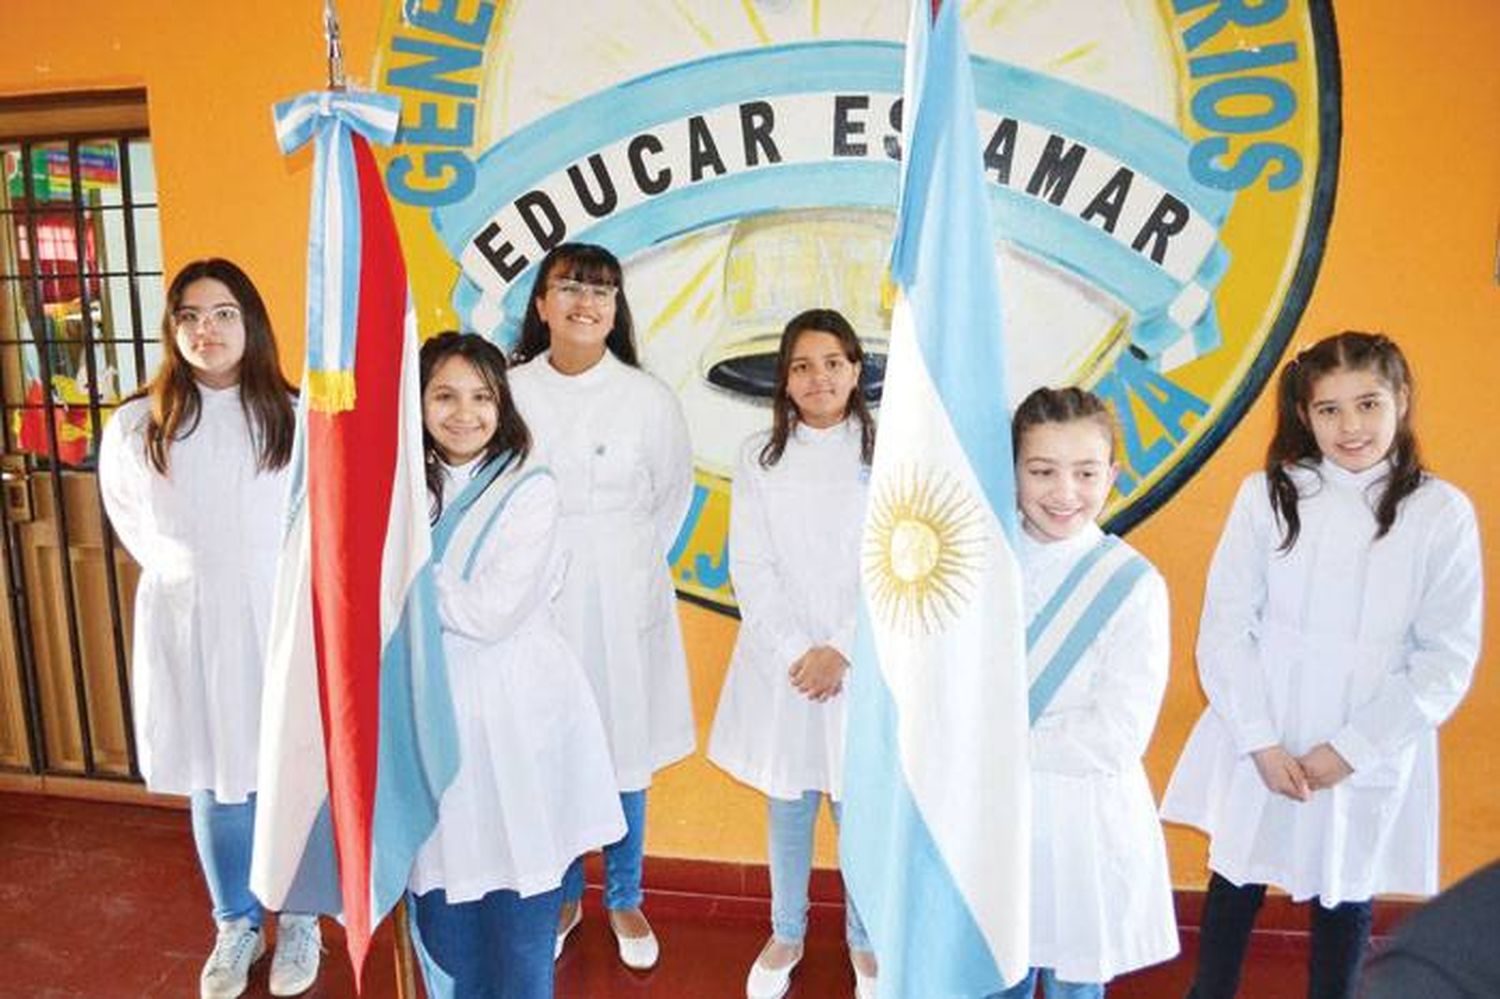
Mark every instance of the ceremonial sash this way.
pixel 1074 616
pixel 465 534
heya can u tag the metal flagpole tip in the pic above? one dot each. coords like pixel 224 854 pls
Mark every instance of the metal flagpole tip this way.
pixel 335 48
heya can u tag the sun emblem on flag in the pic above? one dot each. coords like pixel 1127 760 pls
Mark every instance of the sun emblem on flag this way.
pixel 923 546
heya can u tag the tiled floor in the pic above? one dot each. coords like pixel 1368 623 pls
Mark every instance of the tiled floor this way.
pixel 102 901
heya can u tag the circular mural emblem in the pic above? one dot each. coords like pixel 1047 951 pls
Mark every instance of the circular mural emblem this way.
pixel 1161 177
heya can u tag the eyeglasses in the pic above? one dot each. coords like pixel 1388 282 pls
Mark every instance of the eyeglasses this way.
pixel 220 316
pixel 599 294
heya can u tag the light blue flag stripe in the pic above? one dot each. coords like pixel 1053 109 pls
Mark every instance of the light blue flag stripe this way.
pixel 951 281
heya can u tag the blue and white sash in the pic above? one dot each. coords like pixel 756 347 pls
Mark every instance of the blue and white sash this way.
pixel 1073 617
pixel 465 534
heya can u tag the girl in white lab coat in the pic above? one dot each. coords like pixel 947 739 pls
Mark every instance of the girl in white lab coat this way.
pixel 193 474
pixel 1340 628
pixel 794 530
pixel 1098 654
pixel 617 442
pixel 534 787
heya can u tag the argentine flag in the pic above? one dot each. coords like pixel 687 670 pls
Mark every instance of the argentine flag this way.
pixel 935 844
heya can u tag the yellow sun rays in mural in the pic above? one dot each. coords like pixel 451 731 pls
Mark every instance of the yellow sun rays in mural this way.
pixel 924 545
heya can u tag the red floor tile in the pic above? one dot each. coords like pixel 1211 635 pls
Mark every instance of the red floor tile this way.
pixel 104 901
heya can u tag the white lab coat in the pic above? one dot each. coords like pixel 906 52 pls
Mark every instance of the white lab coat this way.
pixel 1368 645
pixel 206 536
pixel 794 533
pixel 1101 899
pixel 535 787
pixel 617 442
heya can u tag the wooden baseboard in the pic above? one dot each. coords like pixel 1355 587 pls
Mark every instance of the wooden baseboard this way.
pixel 118 792
pixel 723 888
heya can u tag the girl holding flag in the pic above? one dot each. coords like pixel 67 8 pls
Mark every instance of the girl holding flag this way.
pixel 619 445
pixel 794 533
pixel 535 787
pixel 193 471
pixel 1097 656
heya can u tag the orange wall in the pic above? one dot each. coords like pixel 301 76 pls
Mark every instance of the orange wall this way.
pixel 1412 251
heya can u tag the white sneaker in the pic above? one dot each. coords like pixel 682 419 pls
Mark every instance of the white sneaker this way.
pixel 299 948
pixel 227 970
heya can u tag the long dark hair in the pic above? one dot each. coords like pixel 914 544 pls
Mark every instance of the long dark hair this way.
pixel 265 394
pixel 1060 405
pixel 592 265
pixel 784 414
pixel 511 439
pixel 1294 443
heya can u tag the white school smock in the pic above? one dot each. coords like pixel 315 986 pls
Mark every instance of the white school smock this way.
pixel 794 533
pixel 535 788
pixel 1101 896
pixel 206 536
pixel 616 440
pixel 1368 645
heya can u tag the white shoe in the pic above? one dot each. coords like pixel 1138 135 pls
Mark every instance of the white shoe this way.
pixel 299 949
pixel 562 934
pixel 769 983
pixel 637 953
pixel 227 970
pixel 864 985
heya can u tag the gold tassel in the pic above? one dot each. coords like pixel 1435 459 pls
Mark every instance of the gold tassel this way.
pixel 330 391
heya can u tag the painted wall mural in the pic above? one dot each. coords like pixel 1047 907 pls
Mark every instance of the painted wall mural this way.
pixel 1161 176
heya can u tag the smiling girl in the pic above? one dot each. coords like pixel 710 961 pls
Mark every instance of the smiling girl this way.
pixel 534 786
pixel 1340 627
pixel 618 444
pixel 1097 641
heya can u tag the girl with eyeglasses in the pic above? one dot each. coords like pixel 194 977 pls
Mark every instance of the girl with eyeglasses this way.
pixel 794 533
pixel 193 471
pixel 616 439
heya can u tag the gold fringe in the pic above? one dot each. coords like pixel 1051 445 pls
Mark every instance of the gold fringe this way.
pixel 330 391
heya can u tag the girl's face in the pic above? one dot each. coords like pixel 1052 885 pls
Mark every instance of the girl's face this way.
pixel 820 378
pixel 579 314
pixel 210 332
pixel 1063 476
pixel 1353 415
pixel 459 410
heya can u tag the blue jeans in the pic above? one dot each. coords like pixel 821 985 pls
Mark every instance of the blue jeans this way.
pixel 791 849
pixel 1052 987
pixel 622 860
pixel 496 947
pixel 224 835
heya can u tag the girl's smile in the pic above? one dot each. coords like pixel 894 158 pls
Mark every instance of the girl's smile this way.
pixel 459 410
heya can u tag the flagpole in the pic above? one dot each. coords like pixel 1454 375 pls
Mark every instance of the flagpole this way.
pixel 405 960
pixel 406 972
